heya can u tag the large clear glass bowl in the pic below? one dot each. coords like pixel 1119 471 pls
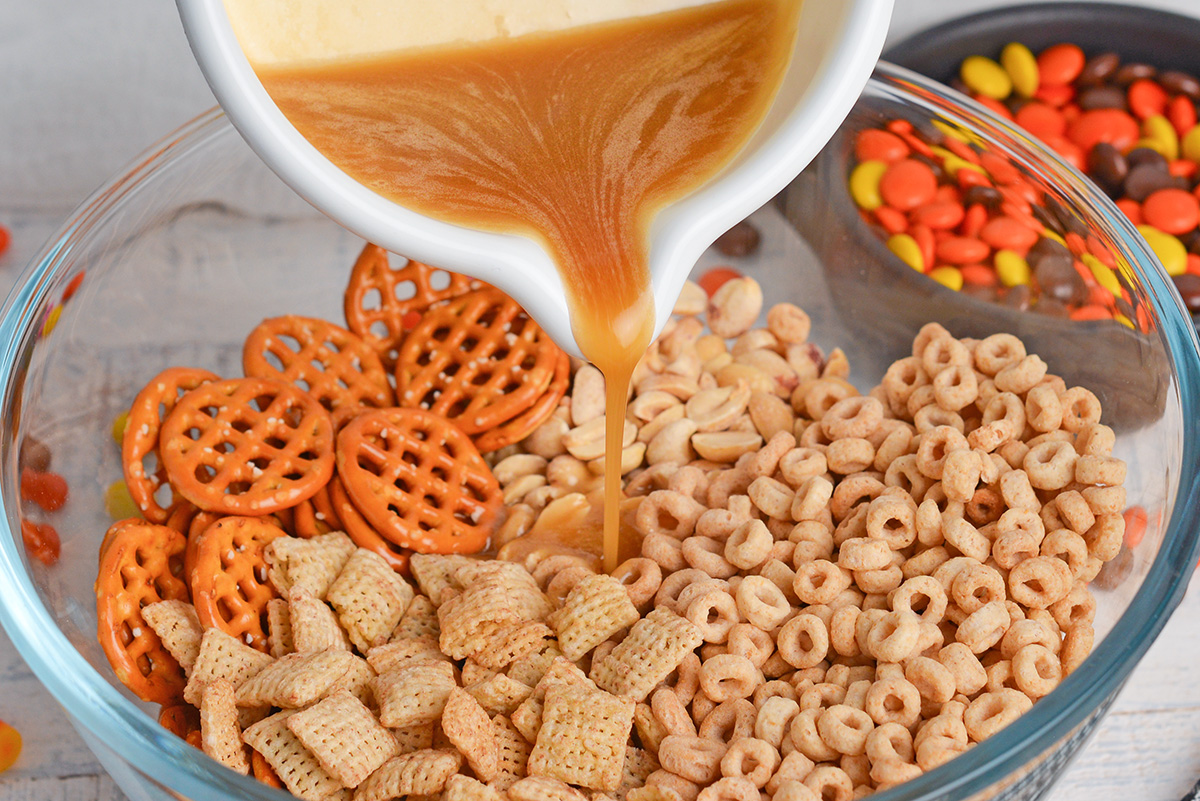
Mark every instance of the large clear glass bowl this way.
pixel 197 242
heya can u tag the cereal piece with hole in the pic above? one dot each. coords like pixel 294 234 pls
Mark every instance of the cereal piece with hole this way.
pixel 312 563
pixel 295 765
pixel 222 657
pixel 422 772
pixel 468 727
pixel 295 680
pixel 176 624
pixel 344 736
pixel 583 736
pixel 369 598
pixel 314 624
pixel 219 732
pixel 595 610
pixel 653 648
pixel 413 695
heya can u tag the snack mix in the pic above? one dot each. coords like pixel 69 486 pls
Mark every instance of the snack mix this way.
pixel 833 592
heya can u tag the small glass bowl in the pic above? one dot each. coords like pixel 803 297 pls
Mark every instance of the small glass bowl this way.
pixel 197 242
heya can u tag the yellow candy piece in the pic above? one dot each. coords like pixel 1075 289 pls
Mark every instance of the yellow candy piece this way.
pixel 1104 275
pixel 1169 249
pixel 864 184
pixel 118 427
pixel 1159 129
pixel 1125 321
pixel 1050 233
pixel 986 77
pixel 1021 65
pixel 1011 268
pixel 952 164
pixel 950 277
pixel 119 503
pixel 1191 144
pixel 10 746
pixel 908 250
pixel 51 320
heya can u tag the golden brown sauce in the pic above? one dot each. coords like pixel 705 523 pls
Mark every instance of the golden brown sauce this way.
pixel 576 138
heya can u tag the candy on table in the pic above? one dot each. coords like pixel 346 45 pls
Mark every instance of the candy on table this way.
pixel 10 746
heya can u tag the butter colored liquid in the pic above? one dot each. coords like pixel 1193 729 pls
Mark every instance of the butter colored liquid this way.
pixel 576 138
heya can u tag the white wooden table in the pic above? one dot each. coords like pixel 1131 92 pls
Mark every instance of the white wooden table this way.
pixel 84 87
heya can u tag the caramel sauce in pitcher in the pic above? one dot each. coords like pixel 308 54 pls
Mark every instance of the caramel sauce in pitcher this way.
pixel 576 138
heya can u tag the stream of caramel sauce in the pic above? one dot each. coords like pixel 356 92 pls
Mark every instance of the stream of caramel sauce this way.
pixel 576 138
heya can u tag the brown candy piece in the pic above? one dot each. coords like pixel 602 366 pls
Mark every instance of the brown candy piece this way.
pixel 741 240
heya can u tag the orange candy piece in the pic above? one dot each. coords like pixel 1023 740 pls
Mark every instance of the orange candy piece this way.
pixel 1104 125
pixel 10 746
pixel 1006 233
pixel 1041 120
pixel 1181 111
pixel 41 541
pixel 873 144
pixel 908 184
pixel 1147 98
pixel 715 278
pixel 941 215
pixel 1173 211
pixel 1060 64
pixel 959 250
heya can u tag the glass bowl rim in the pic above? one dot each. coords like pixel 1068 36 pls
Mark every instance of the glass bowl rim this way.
pixel 137 738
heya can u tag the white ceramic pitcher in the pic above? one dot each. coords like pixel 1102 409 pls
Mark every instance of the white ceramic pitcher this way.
pixel 835 51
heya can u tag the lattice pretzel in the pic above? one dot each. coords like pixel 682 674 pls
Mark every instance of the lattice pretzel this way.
pixel 361 532
pixel 523 424
pixel 229 582
pixel 419 481
pixel 248 446
pixel 373 304
pixel 141 565
pixel 139 444
pixel 478 360
pixel 350 373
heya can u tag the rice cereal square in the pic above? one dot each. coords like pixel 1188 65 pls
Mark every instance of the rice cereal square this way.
pixel 583 737
pixel 344 737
